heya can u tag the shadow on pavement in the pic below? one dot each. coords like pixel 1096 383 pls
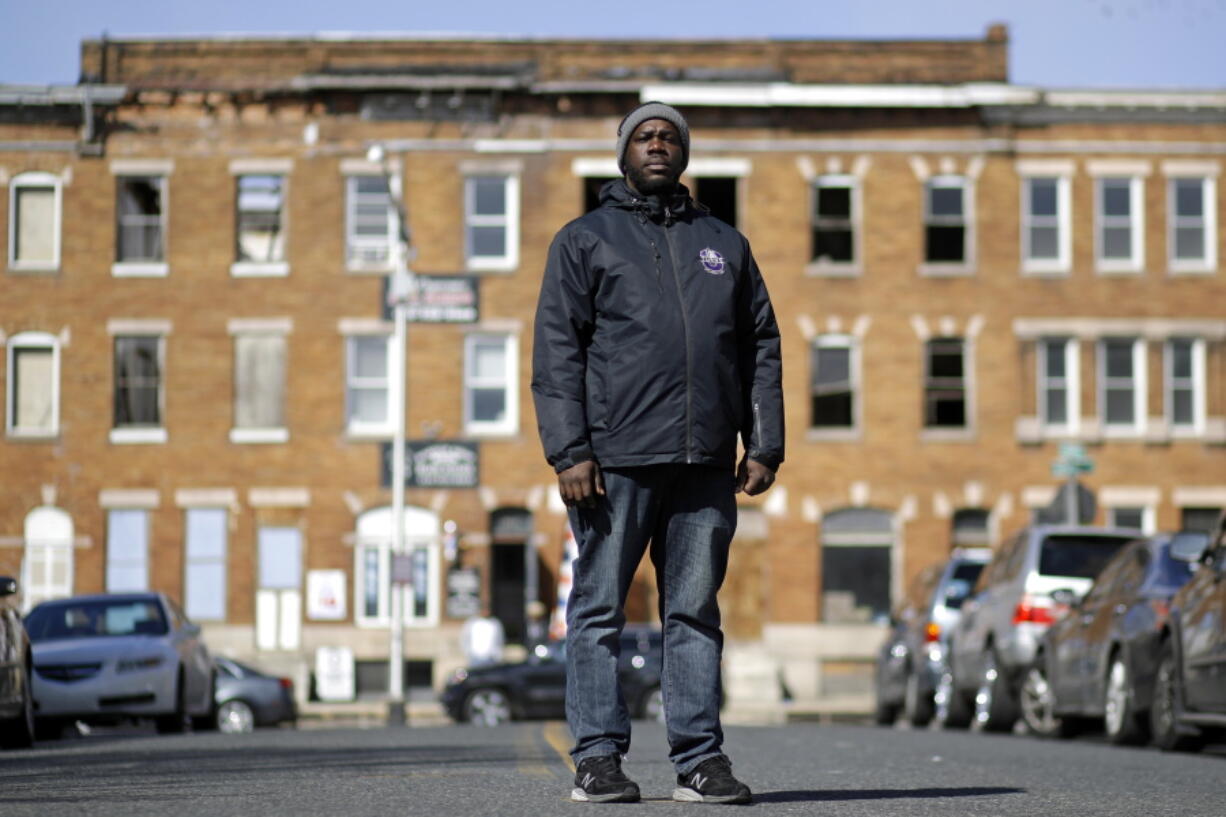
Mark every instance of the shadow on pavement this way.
pixel 830 795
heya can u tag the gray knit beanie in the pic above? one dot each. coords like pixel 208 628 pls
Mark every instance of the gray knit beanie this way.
pixel 652 110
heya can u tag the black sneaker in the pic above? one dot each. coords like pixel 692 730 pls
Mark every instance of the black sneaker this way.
pixel 711 782
pixel 600 780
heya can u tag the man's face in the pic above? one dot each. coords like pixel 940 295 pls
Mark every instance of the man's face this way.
pixel 654 158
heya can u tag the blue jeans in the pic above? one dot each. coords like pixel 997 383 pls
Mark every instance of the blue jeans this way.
pixel 688 514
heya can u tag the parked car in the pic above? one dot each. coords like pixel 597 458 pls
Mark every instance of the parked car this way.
pixel 1100 659
pixel 994 642
pixel 536 688
pixel 912 658
pixel 16 696
pixel 108 658
pixel 247 698
pixel 1190 688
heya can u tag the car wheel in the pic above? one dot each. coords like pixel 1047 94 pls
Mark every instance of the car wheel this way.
pixel 917 706
pixel 487 707
pixel 652 708
pixel 177 721
pixel 18 732
pixel 949 708
pixel 1038 705
pixel 1120 719
pixel 993 707
pixel 235 718
pixel 1164 714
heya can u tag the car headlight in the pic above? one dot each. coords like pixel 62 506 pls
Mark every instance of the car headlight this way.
pixel 134 664
pixel 458 676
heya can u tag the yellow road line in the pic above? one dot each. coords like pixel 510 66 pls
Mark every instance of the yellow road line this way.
pixel 558 736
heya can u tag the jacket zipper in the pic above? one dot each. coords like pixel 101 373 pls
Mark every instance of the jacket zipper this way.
pixel 685 326
pixel 757 426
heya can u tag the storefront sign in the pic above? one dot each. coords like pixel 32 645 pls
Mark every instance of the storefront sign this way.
pixel 442 299
pixel 326 595
pixel 435 464
pixel 463 592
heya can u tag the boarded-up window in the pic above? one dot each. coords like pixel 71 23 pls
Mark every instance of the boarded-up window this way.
pixel 259 387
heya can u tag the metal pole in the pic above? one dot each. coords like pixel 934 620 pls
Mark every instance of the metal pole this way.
pixel 397 291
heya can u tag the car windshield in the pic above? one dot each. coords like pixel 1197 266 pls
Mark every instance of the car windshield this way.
pixel 1078 555
pixel 960 583
pixel 95 619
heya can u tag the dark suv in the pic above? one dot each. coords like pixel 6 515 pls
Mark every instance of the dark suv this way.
pixel 536 688
pixel 1190 686
pixel 16 697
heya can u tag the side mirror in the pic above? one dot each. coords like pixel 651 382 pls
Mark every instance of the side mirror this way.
pixel 1189 545
pixel 8 586
pixel 1064 597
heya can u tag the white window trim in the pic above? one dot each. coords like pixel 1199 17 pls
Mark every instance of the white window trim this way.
pixel 32 340
pixel 508 262
pixel 142 435
pixel 1197 427
pixel 351 174
pixel 1209 197
pixel 1148 517
pixel 1135 263
pixel 145 269
pixel 839 269
pixel 372 431
pixel 510 425
pixel 263 167
pixel 967 266
pixel 1139 385
pixel 418 523
pixel 1063 263
pixel 35 179
pixel 852 432
pixel 1072 386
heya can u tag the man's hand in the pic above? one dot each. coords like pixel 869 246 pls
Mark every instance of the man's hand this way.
pixel 753 477
pixel 581 484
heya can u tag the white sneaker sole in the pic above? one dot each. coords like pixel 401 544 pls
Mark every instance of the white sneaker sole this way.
pixel 580 796
pixel 683 794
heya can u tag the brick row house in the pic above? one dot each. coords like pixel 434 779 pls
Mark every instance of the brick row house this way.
pixel 199 371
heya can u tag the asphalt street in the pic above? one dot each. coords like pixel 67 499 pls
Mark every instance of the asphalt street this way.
pixel 521 770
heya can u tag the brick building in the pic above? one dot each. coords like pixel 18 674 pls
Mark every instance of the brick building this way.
pixel 198 363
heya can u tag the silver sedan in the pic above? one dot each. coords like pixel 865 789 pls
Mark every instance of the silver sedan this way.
pixel 113 657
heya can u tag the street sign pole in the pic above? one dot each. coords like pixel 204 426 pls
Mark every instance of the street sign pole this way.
pixel 398 292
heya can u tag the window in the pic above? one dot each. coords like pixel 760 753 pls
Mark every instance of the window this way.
pixel 47 570
pixel 372 553
pixel 138 382
pixel 370 223
pixel 1121 391
pixel 1128 517
pixel 1058 385
pixel 491 400
pixel 1045 224
pixel 205 557
pixel 1191 225
pixel 127 550
pixel 1200 518
pixel 591 191
pixel 278 607
pixel 33 385
pixel 719 195
pixel 1185 384
pixel 834 375
pixel 1119 239
pixel 142 219
pixel 857 565
pixel 945 392
pixel 835 215
pixel 259 389
pixel 947 233
pixel 34 222
pixel 491 222
pixel 970 528
pixel 260 229
pixel 368 391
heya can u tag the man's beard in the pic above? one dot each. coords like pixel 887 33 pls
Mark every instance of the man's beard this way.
pixel 653 185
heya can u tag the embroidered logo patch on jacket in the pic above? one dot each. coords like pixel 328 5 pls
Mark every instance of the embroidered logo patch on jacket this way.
pixel 712 261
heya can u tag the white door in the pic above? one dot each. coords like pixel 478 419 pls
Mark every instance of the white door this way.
pixel 278 603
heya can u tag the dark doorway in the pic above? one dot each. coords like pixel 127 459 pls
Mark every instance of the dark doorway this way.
pixel 718 194
pixel 508 570
pixel 591 191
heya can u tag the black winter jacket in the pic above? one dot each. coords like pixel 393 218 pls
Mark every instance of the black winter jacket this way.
pixel 655 341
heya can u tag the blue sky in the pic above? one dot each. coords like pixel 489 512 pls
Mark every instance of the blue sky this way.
pixel 1055 43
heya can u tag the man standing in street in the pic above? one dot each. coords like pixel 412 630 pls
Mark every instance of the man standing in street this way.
pixel 655 347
